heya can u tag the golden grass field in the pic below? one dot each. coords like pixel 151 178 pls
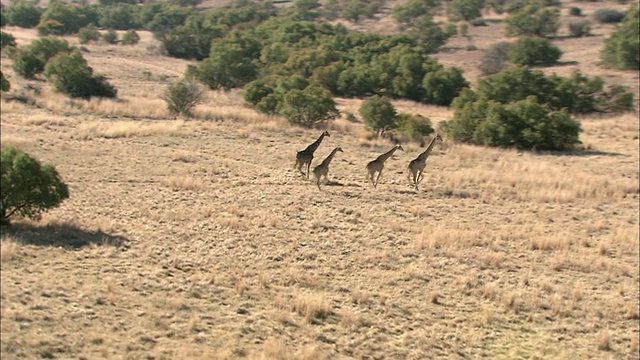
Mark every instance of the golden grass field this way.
pixel 195 239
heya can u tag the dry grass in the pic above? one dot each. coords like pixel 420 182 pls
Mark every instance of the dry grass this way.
pixel 231 254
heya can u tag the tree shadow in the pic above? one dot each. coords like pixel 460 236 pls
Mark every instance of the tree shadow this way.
pixel 582 152
pixel 61 234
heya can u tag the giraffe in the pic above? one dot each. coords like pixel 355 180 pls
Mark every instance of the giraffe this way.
pixel 304 157
pixel 377 165
pixel 417 165
pixel 323 169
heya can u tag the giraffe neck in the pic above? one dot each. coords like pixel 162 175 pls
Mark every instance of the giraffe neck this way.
pixel 426 153
pixel 330 157
pixel 315 145
pixel 388 154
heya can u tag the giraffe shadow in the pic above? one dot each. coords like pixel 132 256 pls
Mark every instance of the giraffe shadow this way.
pixel 61 234
pixel 333 183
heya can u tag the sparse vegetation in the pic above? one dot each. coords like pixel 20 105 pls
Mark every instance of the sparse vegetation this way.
pixel 210 246
pixel 621 49
pixel 183 96
pixel 532 51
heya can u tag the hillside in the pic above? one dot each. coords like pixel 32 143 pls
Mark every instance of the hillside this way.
pixel 195 238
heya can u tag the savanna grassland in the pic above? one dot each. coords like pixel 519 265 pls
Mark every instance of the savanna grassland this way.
pixel 195 239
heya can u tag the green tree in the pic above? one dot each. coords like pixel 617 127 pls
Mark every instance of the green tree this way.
pixel 524 124
pixel 89 33
pixel 31 60
pixel 531 18
pixel 110 36
pixel 443 85
pixel 532 50
pixel 130 37
pixel 378 113
pixel 183 96
pixel 69 15
pixel 414 126
pixel 70 74
pixel 621 49
pixel 465 9
pixel 28 188
pixel 7 39
pixel 23 14
pixel 5 85
pixel 308 107
pixel 412 10
pixel 231 63
pixel 50 27
pixel 120 17
pixel 255 91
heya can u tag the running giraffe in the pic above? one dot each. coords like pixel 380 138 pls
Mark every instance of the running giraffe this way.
pixel 304 157
pixel 377 165
pixel 417 165
pixel 323 169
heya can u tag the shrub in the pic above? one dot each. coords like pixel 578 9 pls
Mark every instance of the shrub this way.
pixel 465 9
pixel 89 33
pixel 23 14
pixel 31 60
pixel 443 85
pixel 5 85
pixel 579 28
pixel 531 50
pixel 110 37
pixel 608 16
pixel 183 96
pixel 414 126
pixel 7 39
pixel 308 107
pixel 131 37
pixel 532 19
pixel 575 11
pixel 50 27
pixel 28 188
pixel 70 74
pixel 378 113
pixel 621 49
pixel 523 124
pixel 255 91
pixel 495 59
pixel 71 17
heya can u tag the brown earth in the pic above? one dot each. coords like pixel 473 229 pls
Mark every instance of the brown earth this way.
pixel 197 239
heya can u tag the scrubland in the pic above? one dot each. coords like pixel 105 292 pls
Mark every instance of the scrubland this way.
pixel 195 238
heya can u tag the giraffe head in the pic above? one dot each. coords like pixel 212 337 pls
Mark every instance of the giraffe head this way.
pixel 339 148
pixel 438 137
pixel 399 147
pixel 326 133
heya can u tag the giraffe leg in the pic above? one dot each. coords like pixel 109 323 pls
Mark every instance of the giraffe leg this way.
pixel 308 166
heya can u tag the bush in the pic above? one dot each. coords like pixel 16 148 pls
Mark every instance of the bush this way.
pixel 31 60
pixel 523 124
pixel 70 74
pixel 183 96
pixel 378 113
pixel 110 37
pixel 28 188
pixel 532 19
pixel 575 11
pixel 414 126
pixel 579 28
pixel 23 14
pixel 443 85
pixel 465 9
pixel 50 27
pixel 255 91
pixel 621 50
pixel 69 16
pixel 131 37
pixel 608 16
pixel 7 39
pixel 5 85
pixel 89 33
pixel 495 59
pixel 308 107
pixel 533 51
